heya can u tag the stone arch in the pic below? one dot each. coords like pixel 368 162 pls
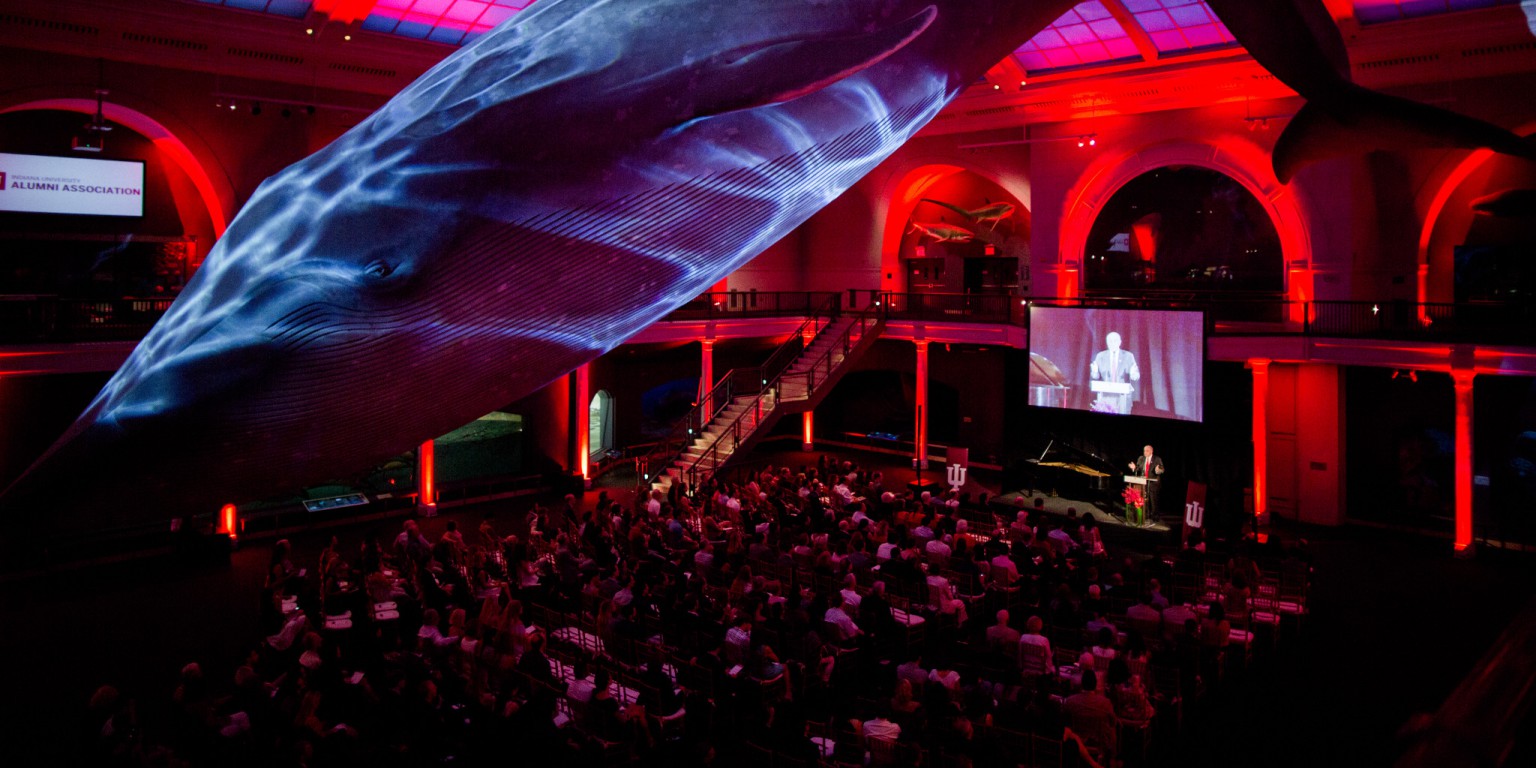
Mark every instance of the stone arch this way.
pixel 214 189
pixel 1242 161
pixel 906 185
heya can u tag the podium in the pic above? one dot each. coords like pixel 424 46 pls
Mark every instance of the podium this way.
pixel 1148 487
pixel 1114 394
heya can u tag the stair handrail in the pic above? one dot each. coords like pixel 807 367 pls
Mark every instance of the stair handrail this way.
pixel 874 314
pixel 826 312
pixel 687 429
pixel 673 444
pixel 774 385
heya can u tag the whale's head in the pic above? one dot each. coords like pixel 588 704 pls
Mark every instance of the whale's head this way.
pixel 276 293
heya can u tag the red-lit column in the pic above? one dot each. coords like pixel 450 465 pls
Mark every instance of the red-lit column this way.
pixel 581 401
pixel 706 374
pixel 229 522
pixel 808 419
pixel 1462 379
pixel 1260 369
pixel 920 455
pixel 426 479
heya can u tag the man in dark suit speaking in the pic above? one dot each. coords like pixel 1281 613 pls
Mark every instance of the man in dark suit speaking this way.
pixel 1149 466
pixel 1115 366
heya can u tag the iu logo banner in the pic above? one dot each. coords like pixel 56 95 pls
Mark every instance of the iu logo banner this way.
pixel 959 459
pixel 956 475
pixel 2 181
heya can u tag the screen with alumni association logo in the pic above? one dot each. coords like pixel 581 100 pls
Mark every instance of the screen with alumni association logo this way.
pixel 71 185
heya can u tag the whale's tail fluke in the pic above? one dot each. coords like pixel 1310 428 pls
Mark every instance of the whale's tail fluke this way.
pixel 1380 121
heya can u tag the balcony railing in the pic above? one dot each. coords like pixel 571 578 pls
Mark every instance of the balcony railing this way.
pixel 31 319
pixel 737 304
pixel 38 319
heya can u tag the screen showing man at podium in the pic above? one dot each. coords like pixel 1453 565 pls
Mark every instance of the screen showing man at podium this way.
pixel 1119 361
pixel 1113 375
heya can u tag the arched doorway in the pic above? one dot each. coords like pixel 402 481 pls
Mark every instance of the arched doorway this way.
pixel 102 254
pixel 213 189
pixel 1479 228
pixel 1243 161
pixel 1183 228
pixel 953 230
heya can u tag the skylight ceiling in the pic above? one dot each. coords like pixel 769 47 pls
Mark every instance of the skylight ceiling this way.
pixel 1177 26
pixel 1094 32
pixel 1376 11
pixel 1087 34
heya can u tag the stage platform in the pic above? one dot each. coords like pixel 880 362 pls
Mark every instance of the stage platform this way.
pixel 1111 520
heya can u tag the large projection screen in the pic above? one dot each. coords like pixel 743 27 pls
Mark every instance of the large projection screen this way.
pixel 1158 369
pixel 71 185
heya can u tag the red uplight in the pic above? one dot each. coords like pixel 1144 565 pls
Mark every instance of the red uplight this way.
pixel 229 521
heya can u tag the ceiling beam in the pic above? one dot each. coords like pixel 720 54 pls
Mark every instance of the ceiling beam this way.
pixel 1007 74
pixel 1139 36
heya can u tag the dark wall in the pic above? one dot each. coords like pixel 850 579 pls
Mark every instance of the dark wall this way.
pixel 35 411
pixel 633 371
pixel 968 394
pixel 1399 444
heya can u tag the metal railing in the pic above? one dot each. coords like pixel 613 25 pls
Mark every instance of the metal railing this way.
pixel 736 304
pixel 32 319
pixel 737 382
pixel 45 318
pixel 1484 322
pixel 870 318
pixel 963 307
pixel 773 382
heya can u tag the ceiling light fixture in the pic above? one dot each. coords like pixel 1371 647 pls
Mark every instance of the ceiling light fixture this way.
pixel 92 136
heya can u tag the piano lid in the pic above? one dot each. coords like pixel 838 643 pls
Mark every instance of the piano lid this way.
pixel 1043 372
pixel 1059 454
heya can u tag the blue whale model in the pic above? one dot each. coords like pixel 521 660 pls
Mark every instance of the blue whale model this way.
pixel 523 207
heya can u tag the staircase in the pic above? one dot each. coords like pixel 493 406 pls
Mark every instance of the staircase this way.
pixel 744 406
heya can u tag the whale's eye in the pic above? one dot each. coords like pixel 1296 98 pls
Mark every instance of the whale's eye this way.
pixel 379 268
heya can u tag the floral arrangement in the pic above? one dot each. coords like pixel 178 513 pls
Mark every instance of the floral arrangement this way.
pixel 1134 502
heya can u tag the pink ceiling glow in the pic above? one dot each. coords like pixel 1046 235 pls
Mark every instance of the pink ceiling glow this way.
pixel 1091 33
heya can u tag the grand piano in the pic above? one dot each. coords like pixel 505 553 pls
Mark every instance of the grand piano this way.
pixel 1073 473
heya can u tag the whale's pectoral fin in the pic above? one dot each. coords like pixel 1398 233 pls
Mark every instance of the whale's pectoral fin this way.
pixel 781 71
pixel 1366 118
